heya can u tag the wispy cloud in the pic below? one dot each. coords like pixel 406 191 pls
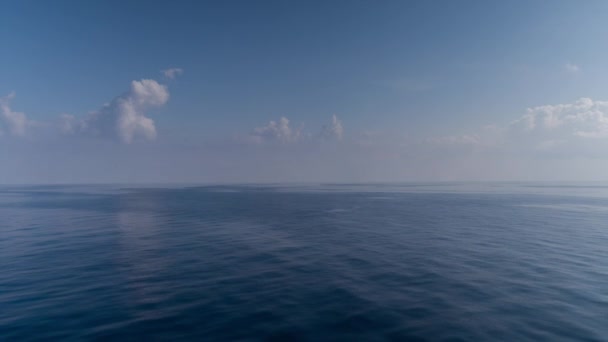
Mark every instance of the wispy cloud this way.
pixel 572 68
pixel 334 130
pixel 172 73
pixel 15 122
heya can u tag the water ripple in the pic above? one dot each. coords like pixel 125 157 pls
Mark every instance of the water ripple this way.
pixel 247 263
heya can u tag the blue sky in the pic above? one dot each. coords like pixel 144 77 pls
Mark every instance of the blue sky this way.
pixel 420 90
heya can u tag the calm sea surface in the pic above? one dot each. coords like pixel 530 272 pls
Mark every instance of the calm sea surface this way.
pixel 379 262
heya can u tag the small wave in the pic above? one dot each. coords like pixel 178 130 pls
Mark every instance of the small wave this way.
pixel 338 210
pixel 568 207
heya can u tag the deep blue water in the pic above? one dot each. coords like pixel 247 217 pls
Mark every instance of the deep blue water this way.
pixel 437 262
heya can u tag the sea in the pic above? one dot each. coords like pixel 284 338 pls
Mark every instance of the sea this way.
pixel 305 262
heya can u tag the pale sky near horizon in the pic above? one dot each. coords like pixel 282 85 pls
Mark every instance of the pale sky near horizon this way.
pixel 303 91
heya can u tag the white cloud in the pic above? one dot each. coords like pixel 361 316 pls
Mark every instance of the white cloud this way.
pixel 573 68
pixel 281 131
pixel 583 118
pixel 571 130
pixel 333 130
pixel 124 117
pixel 566 131
pixel 16 122
pixel 276 131
pixel 172 73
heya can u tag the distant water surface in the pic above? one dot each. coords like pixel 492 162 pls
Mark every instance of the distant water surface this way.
pixel 326 262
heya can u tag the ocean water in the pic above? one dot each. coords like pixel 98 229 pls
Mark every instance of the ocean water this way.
pixel 376 262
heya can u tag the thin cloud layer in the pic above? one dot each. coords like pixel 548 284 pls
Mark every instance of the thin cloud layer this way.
pixel 573 68
pixel 558 133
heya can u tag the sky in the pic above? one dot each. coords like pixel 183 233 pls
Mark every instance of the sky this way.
pixel 303 91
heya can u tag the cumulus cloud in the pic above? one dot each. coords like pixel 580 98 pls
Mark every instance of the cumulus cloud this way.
pixel 573 68
pixel 15 122
pixel 280 131
pixel 172 73
pixel 124 117
pixel 333 130
pixel 563 130
pixel 276 131
pixel 584 118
